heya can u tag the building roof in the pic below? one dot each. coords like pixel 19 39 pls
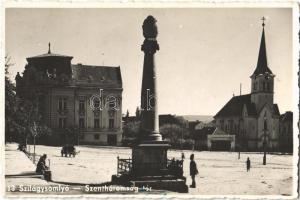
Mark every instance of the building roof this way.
pixel 49 54
pixel 262 63
pixel 193 124
pixel 219 131
pixel 234 106
pixel 286 117
pixel 202 133
pixel 96 74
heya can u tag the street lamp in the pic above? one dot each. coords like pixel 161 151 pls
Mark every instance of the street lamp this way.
pixel 34 133
pixel 265 138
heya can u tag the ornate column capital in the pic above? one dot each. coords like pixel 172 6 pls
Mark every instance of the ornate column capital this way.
pixel 150 32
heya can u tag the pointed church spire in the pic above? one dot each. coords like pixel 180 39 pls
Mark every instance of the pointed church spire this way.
pixel 262 64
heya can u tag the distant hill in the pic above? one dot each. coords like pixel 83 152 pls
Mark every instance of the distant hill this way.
pixel 203 118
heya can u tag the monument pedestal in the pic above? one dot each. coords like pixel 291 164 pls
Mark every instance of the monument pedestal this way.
pixel 150 168
pixel 150 159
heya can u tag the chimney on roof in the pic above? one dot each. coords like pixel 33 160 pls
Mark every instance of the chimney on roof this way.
pixel 49 48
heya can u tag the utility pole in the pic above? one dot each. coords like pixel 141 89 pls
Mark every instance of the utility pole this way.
pixel 265 139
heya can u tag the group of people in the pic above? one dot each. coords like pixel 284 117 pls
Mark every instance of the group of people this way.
pixel 194 169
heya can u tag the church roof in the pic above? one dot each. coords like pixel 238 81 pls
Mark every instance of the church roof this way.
pixel 96 74
pixel 234 106
pixel 276 110
pixel 262 63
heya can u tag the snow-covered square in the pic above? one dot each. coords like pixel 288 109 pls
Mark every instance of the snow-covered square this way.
pixel 220 173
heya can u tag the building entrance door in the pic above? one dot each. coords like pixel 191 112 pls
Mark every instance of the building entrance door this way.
pixel 112 140
pixel 220 145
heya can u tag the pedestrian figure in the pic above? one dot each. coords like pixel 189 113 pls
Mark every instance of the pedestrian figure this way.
pixel 193 171
pixel 182 156
pixel 248 163
pixel 41 166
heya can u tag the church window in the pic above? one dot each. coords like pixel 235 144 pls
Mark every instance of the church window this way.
pixel 255 86
pixel 222 124
pixel 264 86
pixel 268 86
pixel 231 125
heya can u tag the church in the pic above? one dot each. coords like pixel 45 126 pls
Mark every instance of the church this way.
pixel 253 117
pixel 81 104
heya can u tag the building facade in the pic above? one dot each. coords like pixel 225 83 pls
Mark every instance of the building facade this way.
pixel 253 117
pixel 286 132
pixel 80 103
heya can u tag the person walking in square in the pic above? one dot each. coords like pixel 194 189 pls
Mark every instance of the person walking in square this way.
pixel 193 171
pixel 248 164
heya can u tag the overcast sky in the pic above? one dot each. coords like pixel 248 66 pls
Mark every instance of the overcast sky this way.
pixel 204 53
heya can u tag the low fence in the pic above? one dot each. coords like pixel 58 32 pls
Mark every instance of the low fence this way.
pixel 174 167
pixel 124 166
pixel 34 158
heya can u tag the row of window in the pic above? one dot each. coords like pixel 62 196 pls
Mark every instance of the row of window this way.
pixel 230 127
pixel 62 123
pixel 62 104
pixel 111 139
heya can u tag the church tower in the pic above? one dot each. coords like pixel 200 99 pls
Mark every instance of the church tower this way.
pixel 262 79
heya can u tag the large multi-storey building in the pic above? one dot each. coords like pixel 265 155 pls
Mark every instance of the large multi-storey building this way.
pixel 79 100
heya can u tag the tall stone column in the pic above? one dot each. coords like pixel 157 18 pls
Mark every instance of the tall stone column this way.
pixel 149 154
pixel 149 115
pixel 151 151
